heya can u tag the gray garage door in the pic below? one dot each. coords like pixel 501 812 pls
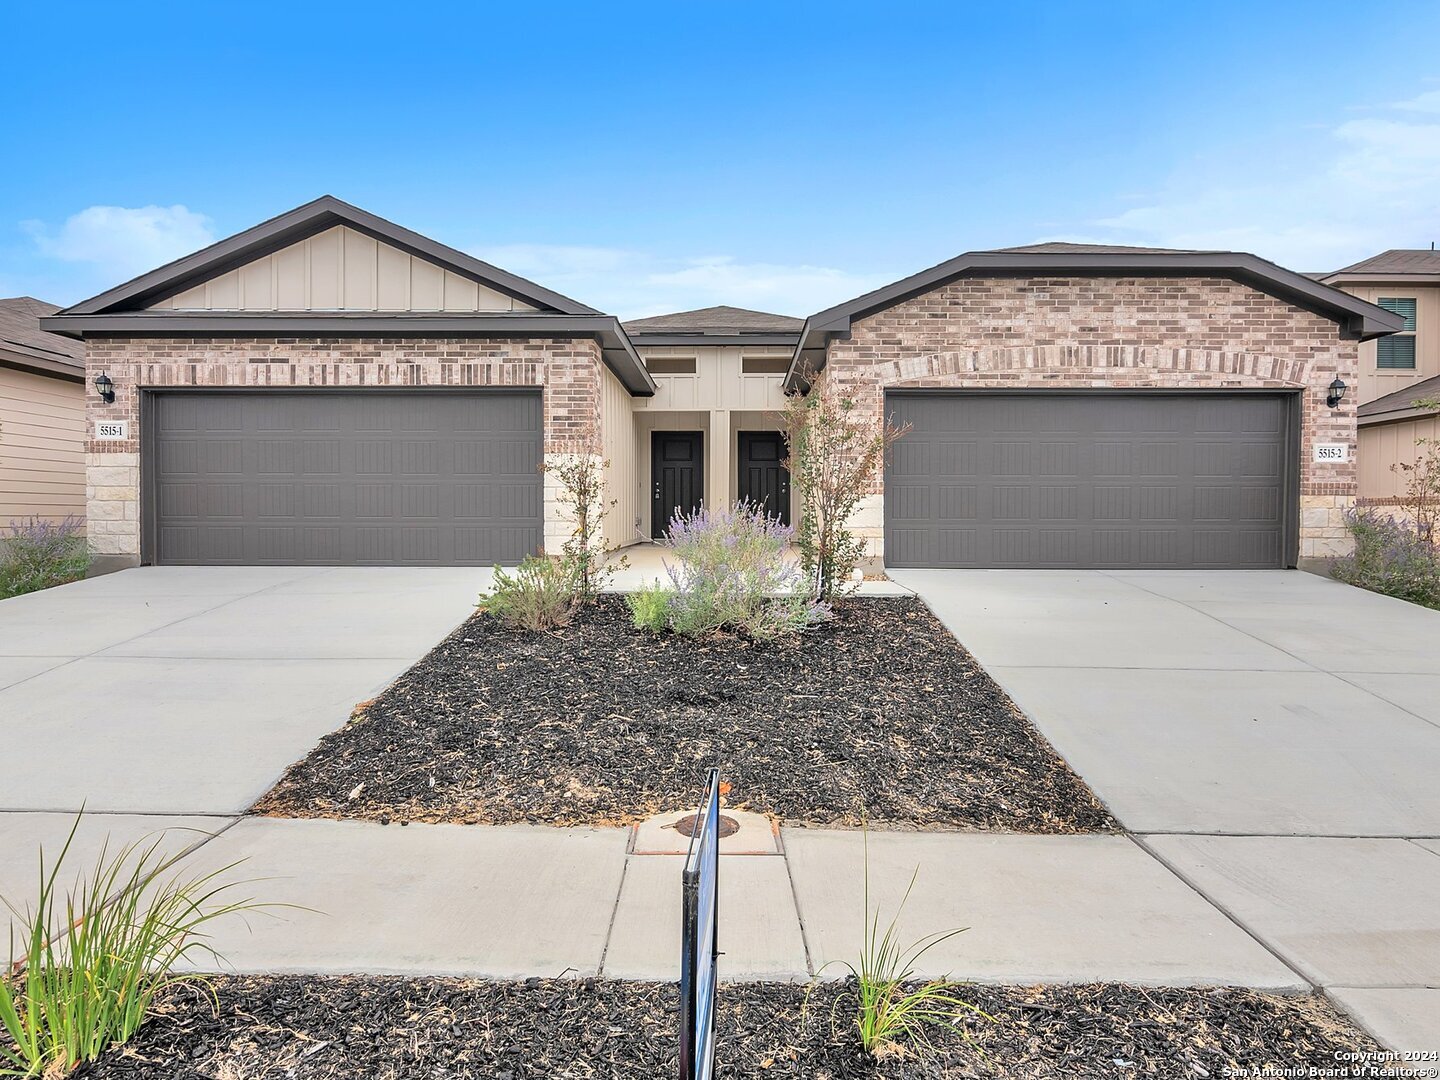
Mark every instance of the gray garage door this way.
pixel 409 478
pixel 1090 480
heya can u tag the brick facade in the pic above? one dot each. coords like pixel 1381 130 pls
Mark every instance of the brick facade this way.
pixel 567 370
pixel 1119 333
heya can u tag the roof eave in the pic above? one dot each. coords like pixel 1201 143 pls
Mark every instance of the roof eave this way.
pixel 1351 277
pixel 1367 420
pixel 775 340
pixel 616 348
pixel 42 365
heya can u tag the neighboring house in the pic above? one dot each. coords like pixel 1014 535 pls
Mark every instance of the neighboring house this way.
pixel 42 416
pixel 328 387
pixel 1396 370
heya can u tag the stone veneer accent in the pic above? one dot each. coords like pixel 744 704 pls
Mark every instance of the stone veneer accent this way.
pixel 1114 332
pixel 567 370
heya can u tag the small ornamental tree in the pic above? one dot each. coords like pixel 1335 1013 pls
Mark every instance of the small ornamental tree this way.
pixel 581 475
pixel 835 451
pixel 1422 480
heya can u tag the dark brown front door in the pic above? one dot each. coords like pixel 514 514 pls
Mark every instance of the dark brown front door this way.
pixel 764 479
pixel 677 476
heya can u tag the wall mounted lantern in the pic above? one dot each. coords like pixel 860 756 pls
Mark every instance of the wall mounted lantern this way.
pixel 105 388
pixel 1337 393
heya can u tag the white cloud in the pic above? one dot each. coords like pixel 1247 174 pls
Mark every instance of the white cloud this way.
pixel 1428 102
pixel 123 241
pixel 634 284
pixel 1328 198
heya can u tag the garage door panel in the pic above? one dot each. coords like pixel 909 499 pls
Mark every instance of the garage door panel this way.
pixel 1104 480
pixel 334 478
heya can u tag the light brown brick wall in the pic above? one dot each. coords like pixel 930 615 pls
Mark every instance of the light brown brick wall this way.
pixel 567 370
pixel 1122 333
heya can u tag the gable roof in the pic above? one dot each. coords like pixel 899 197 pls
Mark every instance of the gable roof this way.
pixel 719 325
pixel 1400 404
pixel 126 309
pixel 1406 264
pixel 296 225
pixel 24 344
pixel 1357 319
pixel 722 317
pixel 1060 247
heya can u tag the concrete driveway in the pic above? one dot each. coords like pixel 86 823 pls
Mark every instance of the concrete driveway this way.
pixel 188 690
pixel 1272 738
pixel 1207 702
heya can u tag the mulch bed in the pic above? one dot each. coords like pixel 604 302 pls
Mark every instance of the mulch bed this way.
pixel 878 715
pixel 307 1028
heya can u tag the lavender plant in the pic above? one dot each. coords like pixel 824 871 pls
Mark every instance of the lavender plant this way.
pixel 39 553
pixel 1391 558
pixel 730 573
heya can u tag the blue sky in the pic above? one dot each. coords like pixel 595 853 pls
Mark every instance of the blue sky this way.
pixel 653 157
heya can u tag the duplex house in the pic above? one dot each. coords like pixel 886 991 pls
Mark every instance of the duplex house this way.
pixel 42 416
pixel 328 387
pixel 1398 370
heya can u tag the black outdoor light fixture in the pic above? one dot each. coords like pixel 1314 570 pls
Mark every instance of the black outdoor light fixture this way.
pixel 105 388
pixel 1337 392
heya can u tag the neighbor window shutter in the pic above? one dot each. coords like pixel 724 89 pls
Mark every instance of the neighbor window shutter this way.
pixel 1400 305
pixel 1395 351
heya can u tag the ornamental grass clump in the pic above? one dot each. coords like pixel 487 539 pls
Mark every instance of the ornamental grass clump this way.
pixel 94 959
pixel 38 554
pixel 1390 558
pixel 730 573
pixel 893 1011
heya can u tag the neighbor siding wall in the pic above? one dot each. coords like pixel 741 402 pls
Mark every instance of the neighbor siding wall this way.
pixel 567 370
pixel 42 446
pixel 617 423
pixel 1384 445
pixel 1121 333
pixel 1376 382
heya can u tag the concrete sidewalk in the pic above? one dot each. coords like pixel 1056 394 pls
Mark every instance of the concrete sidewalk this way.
pixel 519 901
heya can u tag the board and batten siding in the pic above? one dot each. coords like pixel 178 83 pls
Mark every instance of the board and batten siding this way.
pixel 42 447
pixel 1382 445
pixel 340 269
pixel 622 483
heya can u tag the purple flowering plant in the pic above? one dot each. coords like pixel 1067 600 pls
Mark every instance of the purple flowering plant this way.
pixel 39 553
pixel 730 572
pixel 1390 557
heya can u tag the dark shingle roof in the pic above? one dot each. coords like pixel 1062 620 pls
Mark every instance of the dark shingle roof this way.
pixel 1401 400
pixel 1060 247
pixel 722 319
pixel 1396 261
pixel 20 333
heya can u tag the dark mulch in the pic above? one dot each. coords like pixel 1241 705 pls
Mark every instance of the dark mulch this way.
pixel 877 714
pixel 307 1028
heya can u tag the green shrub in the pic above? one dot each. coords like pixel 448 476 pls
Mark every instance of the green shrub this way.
pixel 38 554
pixel 95 959
pixel 541 594
pixel 650 607
pixel 835 451
pixel 1390 558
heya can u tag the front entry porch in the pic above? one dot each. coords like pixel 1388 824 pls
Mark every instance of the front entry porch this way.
pixel 691 459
